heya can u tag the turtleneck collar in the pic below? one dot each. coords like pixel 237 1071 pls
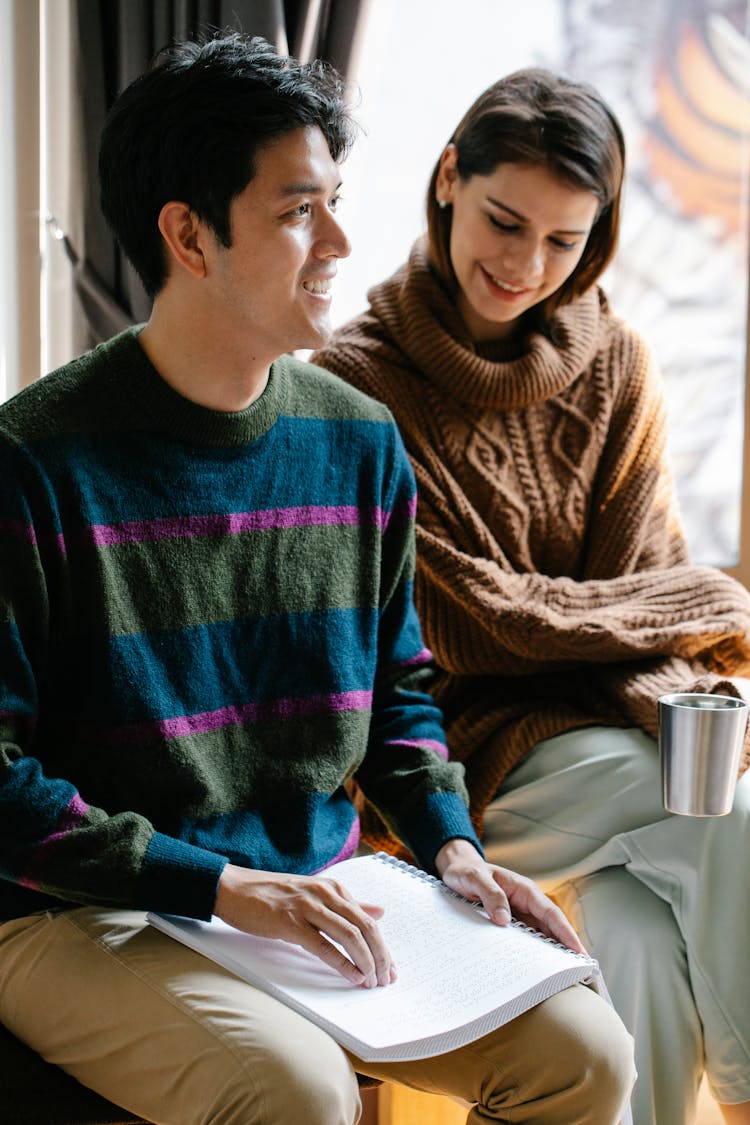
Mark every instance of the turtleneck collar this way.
pixel 153 404
pixel 422 319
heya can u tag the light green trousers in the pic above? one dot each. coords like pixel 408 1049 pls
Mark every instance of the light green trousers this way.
pixel 662 902
pixel 159 1029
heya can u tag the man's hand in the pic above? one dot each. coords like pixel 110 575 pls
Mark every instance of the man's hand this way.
pixel 310 911
pixel 502 893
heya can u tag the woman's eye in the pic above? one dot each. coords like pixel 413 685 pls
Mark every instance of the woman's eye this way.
pixel 507 227
pixel 561 244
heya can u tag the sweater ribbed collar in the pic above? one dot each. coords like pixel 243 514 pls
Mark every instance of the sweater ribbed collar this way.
pixel 422 319
pixel 154 405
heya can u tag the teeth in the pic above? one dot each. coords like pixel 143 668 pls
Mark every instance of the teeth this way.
pixel 317 286
pixel 504 285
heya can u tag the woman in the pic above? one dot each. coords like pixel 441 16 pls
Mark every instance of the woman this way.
pixel 553 577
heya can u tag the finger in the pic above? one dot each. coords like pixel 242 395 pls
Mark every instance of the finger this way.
pixel 318 944
pixel 554 923
pixel 373 909
pixel 477 883
pixel 531 906
pixel 346 922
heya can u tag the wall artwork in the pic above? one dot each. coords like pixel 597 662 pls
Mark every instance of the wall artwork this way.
pixel 677 73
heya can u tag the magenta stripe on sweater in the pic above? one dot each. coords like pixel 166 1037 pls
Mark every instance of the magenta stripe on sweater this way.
pixel 406 511
pixel 69 819
pixel 18 530
pixel 350 846
pixel 424 656
pixel 420 744
pixel 233 523
pixel 205 721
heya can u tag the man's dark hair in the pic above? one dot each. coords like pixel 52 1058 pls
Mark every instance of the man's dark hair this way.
pixel 189 129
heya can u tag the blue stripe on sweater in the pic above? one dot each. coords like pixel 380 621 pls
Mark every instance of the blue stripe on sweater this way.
pixel 303 834
pixel 232 662
pixel 132 476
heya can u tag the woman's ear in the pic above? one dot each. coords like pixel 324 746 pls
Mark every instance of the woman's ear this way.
pixel 447 175
pixel 183 237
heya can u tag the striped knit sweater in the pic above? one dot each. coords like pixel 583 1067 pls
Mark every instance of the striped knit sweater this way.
pixel 553 581
pixel 206 630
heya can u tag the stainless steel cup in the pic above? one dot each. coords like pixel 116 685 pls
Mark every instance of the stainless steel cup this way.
pixel 700 741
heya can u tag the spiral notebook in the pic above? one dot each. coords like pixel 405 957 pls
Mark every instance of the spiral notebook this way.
pixel 459 975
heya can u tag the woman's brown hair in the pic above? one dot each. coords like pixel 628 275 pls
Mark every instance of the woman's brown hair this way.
pixel 535 117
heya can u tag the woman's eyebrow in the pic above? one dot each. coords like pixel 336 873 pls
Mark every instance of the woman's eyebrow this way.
pixel 522 218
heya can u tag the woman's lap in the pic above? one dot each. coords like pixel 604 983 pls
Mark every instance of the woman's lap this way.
pixel 589 801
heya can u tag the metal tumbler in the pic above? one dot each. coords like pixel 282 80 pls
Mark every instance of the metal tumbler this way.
pixel 700 742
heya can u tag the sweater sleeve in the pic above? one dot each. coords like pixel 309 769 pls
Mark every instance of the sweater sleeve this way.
pixel 53 842
pixel 636 597
pixel 406 775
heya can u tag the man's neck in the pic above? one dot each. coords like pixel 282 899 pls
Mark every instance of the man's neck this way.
pixel 198 364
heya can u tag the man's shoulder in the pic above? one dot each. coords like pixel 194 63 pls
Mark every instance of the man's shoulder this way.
pixel 316 391
pixel 66 397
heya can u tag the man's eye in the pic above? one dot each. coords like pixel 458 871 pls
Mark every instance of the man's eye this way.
pixel 333 205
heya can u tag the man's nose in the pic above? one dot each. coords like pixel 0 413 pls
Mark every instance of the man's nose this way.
pixel 332 239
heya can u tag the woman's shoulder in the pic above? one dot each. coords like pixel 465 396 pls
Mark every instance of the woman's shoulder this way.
pixel 617 332
pixel 623 352
pixel 363 353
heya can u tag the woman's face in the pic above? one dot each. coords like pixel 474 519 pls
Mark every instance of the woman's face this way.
pixel 517 234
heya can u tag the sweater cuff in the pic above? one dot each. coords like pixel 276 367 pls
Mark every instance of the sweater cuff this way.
pixel 179 878
pixel 433 822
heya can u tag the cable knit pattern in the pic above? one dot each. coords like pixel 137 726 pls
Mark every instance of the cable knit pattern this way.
pixel 553 578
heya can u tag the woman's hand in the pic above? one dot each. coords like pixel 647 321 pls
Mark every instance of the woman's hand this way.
pixel 502 893
pixel 310 911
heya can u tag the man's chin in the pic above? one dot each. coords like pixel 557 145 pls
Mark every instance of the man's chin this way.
pixel 316 335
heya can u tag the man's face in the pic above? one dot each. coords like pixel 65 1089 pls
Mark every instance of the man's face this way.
pixel 271 289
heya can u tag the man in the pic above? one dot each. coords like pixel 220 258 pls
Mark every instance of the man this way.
pixel 208 631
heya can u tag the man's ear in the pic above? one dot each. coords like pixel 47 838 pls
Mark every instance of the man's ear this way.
pixel 183 235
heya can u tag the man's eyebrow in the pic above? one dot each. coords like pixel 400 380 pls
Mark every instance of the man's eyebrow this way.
pixel 522 218
pixel 305 188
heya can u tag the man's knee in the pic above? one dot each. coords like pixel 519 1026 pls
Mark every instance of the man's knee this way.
pixel 593 1055
pixel 573 1061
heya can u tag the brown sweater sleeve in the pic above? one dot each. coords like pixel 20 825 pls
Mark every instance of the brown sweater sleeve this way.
pixel 638 597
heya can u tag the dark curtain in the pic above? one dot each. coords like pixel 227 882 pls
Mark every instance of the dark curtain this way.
pixel 116 41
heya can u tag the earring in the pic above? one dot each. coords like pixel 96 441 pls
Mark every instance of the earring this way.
pixel 442 204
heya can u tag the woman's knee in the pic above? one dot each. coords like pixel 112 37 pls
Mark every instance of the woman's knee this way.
pixel 624 922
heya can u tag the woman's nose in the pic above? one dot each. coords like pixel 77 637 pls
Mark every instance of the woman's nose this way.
pixel 526 259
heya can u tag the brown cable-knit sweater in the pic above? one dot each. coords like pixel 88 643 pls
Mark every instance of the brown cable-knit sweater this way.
pixel 553 579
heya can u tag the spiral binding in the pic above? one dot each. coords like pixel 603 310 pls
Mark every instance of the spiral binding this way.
pixel 416 873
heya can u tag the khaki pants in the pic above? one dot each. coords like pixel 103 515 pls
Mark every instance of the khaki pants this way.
pixel 168 1034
